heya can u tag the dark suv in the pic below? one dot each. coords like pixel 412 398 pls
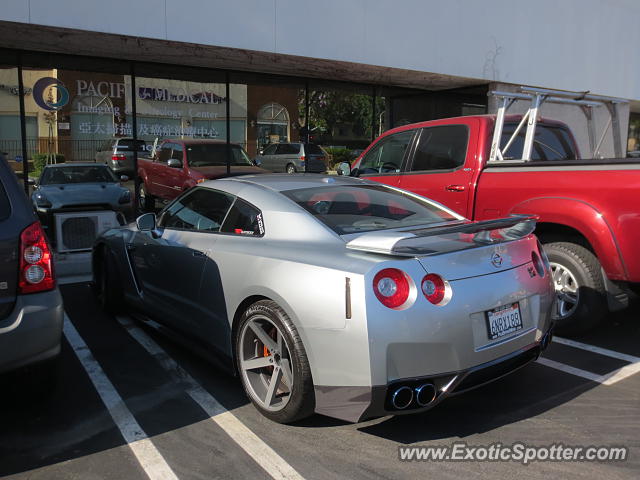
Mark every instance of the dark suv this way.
pixel 31 311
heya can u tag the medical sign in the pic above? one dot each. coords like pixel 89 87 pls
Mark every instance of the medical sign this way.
pixel 43 94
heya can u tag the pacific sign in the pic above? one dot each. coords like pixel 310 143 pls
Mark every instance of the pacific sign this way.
pixel 118 89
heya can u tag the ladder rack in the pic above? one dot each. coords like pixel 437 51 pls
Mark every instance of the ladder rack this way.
pixel 539 96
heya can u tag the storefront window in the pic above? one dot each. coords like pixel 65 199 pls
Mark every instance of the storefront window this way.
pixel 272 112
pixel 10 138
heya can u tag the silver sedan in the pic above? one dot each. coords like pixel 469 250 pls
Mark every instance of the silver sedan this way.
pixel 334 295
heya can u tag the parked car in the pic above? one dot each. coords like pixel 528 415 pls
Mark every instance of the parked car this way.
pixel 178 165
pixel 118 154
pixel 77 201
pixel 31 311
pixel 587 209
pixel 334 295
pixel 293 157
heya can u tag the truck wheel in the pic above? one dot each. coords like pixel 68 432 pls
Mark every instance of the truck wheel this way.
pixel 580 289
pixel 146 202
pixel 273 365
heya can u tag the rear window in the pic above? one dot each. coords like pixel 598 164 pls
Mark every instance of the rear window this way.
pixel 5 206
pixel 550 143
pixel 128 145
pixel 77 174
pixel 362 208
pixel 311 149
pixel 212 155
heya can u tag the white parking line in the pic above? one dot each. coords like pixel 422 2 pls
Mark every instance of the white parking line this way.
pixel 257 449
pixel 145 452
pixel 594 349
pixel 607 379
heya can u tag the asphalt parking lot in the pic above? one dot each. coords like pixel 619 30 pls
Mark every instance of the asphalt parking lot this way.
pixel 132 404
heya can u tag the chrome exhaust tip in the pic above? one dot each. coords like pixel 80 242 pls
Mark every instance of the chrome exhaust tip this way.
pixel 425 394
pixel 402 398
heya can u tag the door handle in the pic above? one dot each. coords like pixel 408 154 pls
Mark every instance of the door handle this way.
pixel 454 188
pixel 198 253
pixel 131 247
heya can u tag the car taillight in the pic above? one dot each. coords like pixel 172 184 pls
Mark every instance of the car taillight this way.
pixel 391 287
pixel 36 264
pixel 302 157
pixel 436 289
pixel 118 157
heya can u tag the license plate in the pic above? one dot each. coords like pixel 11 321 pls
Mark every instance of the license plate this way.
pixel 503 321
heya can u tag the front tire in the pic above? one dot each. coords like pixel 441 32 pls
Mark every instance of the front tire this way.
pixel 108 291
pixel 581 301
pixel 273 365
pixel 146 202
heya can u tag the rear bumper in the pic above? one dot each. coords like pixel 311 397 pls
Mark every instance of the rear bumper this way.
pixel 355 404
pixel 33 331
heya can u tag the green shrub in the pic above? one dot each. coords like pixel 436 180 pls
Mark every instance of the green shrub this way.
pixel 40 160
pixel 339 155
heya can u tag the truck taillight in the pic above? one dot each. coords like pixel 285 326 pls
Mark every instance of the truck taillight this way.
pixel 436 289
pixel 36 264
pixel 391 287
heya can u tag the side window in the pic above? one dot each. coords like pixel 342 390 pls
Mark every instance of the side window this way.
pixel 243 219
pixel 201 210
pixel 387 154
pixel 282 149
pixel 270 150
pixel 441 148
pixel 177 152
pixel 165 153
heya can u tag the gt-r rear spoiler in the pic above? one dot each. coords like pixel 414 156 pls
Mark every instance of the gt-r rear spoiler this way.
pixel 445 238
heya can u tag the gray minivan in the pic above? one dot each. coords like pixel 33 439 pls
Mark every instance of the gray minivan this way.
pixel 118 154
pixel 31 311
pixel 292 157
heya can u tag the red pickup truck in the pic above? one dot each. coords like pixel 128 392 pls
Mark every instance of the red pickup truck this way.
pixel 589 210
pixel 177 165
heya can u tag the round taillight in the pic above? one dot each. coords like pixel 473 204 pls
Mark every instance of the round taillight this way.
pixel 537 263
pixel 34 274
pixel 434 288
pixel 391 287
pixel 32 254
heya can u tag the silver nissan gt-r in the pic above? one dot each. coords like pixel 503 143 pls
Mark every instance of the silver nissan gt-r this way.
pixel 335 295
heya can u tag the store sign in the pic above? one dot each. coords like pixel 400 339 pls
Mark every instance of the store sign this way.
pixel 146 129
pixel 179 95
pixel 43 91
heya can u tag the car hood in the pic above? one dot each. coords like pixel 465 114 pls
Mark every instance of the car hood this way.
pixel 61 196
pixel 221 171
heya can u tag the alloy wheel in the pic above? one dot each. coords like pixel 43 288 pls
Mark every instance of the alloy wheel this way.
pixel 567 292
pixel 265 363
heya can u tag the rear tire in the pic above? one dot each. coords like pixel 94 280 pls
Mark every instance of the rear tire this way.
pixel 291 168
pixel 285 362
pixel 146 202
pixel 581 301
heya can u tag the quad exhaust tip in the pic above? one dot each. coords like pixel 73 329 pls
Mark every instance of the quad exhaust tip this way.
pixel 425 394
pixel 402 398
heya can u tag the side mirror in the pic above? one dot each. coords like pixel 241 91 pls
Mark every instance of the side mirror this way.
pixel 146 222
pixel 174 163
pixel 124 178
pixel 344 169
pixel 32 181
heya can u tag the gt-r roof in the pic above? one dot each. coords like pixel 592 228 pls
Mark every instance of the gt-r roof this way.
pixel 284 182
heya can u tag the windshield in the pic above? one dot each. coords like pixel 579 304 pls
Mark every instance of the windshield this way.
pixel 215 154
pixel 363 208
pixel 77 174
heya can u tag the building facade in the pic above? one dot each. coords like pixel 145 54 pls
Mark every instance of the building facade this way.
pixel 256 72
